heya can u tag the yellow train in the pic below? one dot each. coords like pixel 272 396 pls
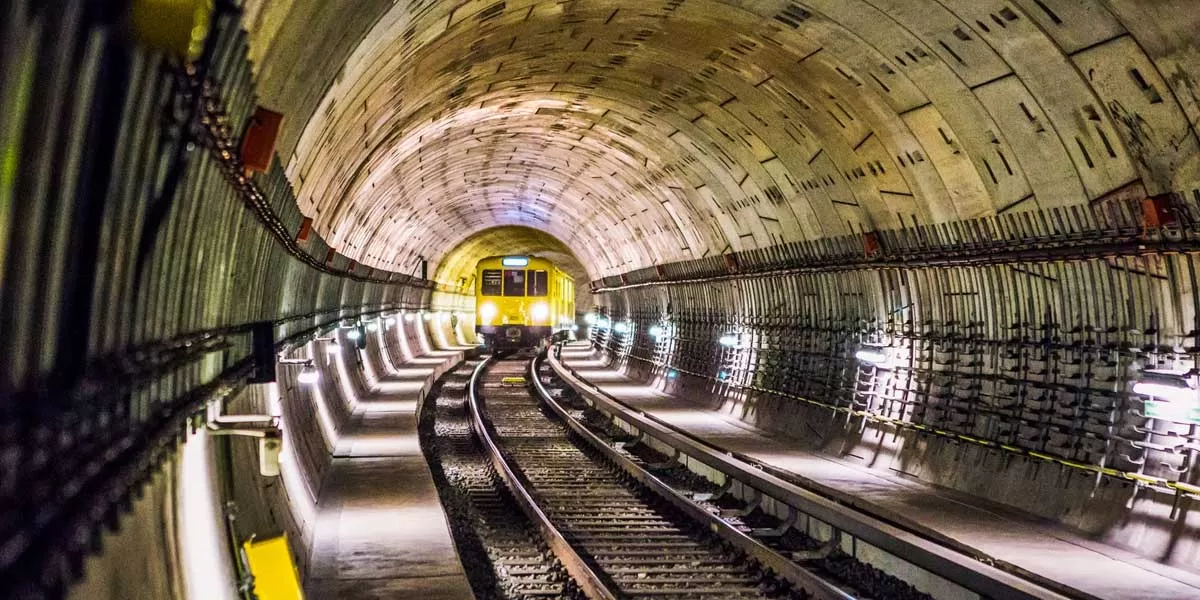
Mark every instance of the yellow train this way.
pixel 521 300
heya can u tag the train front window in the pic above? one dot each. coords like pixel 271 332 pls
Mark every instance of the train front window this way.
pixel 493 282
pixel 514 282
pixel 538 283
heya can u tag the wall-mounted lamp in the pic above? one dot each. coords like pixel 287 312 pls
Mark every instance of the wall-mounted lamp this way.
pixel 353 334
pixel 656 331
pixel 308 375
pixel 390 321
pixel 1169 386
pixel 621 327
pixel 590 318
pixel 373 326
pixel 408 317
pixel 876 356
pixel 728 340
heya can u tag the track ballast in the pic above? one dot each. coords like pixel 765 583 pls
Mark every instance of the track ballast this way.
pixel 639 546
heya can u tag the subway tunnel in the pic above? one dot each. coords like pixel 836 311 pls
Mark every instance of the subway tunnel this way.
pixel 913 280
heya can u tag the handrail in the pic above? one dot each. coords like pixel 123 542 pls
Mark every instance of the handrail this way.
pixel 589 581
pixel 811 583
pixel 950 563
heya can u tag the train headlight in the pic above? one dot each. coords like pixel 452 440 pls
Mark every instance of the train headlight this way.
pixel 540 311
pixel 487 312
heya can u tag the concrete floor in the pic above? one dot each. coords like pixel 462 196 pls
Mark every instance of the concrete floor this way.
pixel 382 532
pixel 1046 549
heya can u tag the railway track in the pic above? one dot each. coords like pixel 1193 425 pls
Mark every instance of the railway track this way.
pixel 616 537
pixel 505 559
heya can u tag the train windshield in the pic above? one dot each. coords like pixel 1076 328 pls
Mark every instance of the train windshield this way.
pixel 492 282
pixel 539 284
pixel 514 282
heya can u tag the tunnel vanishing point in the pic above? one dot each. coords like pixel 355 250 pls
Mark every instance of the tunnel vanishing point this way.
pixel 915 279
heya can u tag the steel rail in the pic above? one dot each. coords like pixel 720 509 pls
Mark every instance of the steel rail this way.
pixel 814 585
pixel 590 583
pixel 949 563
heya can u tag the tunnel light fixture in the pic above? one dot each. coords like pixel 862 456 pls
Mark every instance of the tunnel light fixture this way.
pixel 353 334
pixel 657 331
pixel 308 375
pixel 876 356
pixel 672 374
pixel 728 340
pixel 722 375
pixel 515 261
pixel 601 323
pixel 1170 386
pixel 373 326
pixel 428 316
pixel 408 318
pixel 390 321
pixel 589 319
pixel 621 327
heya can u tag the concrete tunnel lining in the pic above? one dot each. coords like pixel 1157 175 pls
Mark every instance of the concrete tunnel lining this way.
pixel 690 129
pixel 710 166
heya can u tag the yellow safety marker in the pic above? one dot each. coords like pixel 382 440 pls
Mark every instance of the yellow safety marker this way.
pixel 512 381
pixel 274 572
pixel 176 26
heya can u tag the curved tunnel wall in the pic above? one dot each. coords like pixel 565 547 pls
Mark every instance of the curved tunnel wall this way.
pixel 797 138
pixel 137 260
pixel 1007 376
pixel 229 498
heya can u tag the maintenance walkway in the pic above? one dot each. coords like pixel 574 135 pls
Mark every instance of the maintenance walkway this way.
pixel 382 531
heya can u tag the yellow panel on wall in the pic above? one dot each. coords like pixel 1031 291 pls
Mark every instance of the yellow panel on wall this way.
pixel 274 572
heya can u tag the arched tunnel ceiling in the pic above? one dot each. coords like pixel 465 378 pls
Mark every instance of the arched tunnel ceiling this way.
pixel 641 132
